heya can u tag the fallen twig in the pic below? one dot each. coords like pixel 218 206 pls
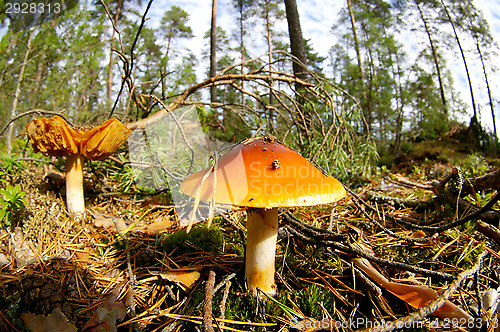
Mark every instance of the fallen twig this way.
pixel 207 305
pixel 436 229
pixel 351 250
pixel 388 231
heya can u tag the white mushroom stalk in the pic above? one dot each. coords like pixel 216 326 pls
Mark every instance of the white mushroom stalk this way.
pixel 262 233
pixel 75 199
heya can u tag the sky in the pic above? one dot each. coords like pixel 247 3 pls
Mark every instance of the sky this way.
pixel 317 18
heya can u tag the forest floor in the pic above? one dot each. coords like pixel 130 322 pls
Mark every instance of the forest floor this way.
pixel 130 265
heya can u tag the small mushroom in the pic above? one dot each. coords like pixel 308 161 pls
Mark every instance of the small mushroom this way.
pixel 263 175
pixel 53 137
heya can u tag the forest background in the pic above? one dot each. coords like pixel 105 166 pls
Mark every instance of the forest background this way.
pixel 389 69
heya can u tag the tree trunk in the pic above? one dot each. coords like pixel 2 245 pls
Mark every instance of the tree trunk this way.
pixel 436 62
pixel 364 98
pixel 213 49
pixel 242 52
pixel 298 50
pixel 296 40
pixel 490 99
pixel 400 107
pixel 269 38
pixel 474 117
pixel 10 132
pixel 111 61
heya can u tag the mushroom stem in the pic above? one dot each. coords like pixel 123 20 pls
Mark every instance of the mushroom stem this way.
pixel 262 232
pixel 74 185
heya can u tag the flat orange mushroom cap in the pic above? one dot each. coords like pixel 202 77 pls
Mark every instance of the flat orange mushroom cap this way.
pixel 263 173
pixel 53 137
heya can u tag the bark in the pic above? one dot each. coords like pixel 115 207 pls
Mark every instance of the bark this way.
pixel 269 36
pixel 297 47
pixel 400 108
pixel 213 49
pixel 207 305
pixel 490 217
pixel 357 48
pixel 356 44
pixel 242 51
pixel 487 181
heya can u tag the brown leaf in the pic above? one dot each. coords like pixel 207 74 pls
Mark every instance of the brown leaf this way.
pixel 55 321
pixel 161 224
pixel 183 278
pixel 415 295
pixel 101 221
pixel 106 316
pixel 21 249
pixel 83 258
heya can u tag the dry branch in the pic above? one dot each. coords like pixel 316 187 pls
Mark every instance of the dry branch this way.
pixel 225 79
pixel 207 305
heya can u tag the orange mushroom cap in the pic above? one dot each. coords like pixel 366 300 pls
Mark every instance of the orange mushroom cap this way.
pixel 263 173
pixel 53 137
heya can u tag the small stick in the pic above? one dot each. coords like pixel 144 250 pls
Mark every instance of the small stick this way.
pixel 223 301
pixel 207 306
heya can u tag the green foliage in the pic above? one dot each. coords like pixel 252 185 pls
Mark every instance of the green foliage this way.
pixel 9 163
pixel 12 204
pixel 199 239
pixel 473 165
pixel 125 176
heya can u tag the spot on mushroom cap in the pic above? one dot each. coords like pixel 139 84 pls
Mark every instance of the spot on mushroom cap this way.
pixel 53 137
pixel 264 173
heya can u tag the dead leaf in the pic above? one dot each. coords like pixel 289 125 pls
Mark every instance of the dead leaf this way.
pixel 161 224
pixel 4 260
pixel 419 234
pixel 185 279
pixel 415 295
pixel 108 223
pixel 55 321
pixel 106 316
pixel 83 258
pixel 21 248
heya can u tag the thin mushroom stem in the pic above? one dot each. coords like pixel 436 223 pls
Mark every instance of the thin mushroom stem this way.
pixel 262 233
pixel 74 185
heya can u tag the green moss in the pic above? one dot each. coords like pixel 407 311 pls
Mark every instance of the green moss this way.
pixel 200 238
